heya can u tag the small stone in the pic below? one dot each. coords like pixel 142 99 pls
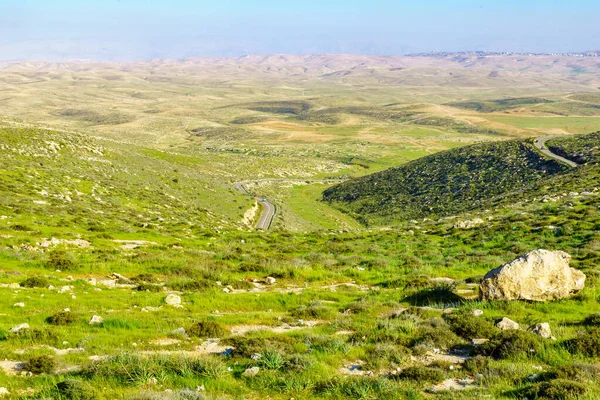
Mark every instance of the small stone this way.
pixel 270 280
pixel 226 290
pixel 477 313
pixel 251 371
pixel 479 342
pixel 14 285
pixel 4 392
pixel 92 281
pixel 179 331
pixel 96 319
pixel 19 305
pixel 542 329
pixel 64 289
pixel 19 328
pixel 507 324
pixel 173 300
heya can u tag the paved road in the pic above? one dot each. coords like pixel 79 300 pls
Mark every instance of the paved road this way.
pixel 540 143
pixel 269 208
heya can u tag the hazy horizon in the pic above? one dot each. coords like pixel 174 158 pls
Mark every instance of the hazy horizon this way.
pixel 129 30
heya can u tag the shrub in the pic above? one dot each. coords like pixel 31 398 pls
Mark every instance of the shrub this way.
pixel 144 278
pixel 189 285
pixel 436 334
pixel 471 327
pixel 35 282
pixel 206 329
pixel 297 363
pixel 592 320
pixel 62 318
pixel 386 356
pixel 439 294
pixel 60 260
pixel 270 359
pixel 477 364
pixel 41 365
pixel 210 367
pixel 558 389
pixel 148 287
pixel 72 389
pixel 313 310
pixel 587 343
pixel 510 344
pixel 421 374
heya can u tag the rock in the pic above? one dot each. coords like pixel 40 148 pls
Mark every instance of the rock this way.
pixel 96 319
pixel 270 280
pixel 507 324
pixel 19 328
pixel 542 329
pixel 468 224
pixel 4 392
pixel 251 371
pixel 539 275
pixel 19 305
pixel 477 313
pixel 92 281
pixel 64 289
pixel 479 342
pixel 173 300
pixel 14 285
pixel 179 331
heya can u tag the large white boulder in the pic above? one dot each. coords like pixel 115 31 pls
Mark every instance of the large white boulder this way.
pixel 539 275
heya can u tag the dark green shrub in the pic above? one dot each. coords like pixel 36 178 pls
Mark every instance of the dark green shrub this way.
pixel 297 363
pixel 592 320
pixel 246 346
pixel 435 333
pixel 206 329
pixel 189 285
pixel 421 374
pixel 587 343
pixel 558 389
pixel 510 344
pixel 477 364
pixel 35 282
pixel 439 294
pixel 62 318
pixel 72 389
pixel 148 287
pixel 469 326
pixel 145 278
pixel 41 365
pixel 314 310
pixel 60 260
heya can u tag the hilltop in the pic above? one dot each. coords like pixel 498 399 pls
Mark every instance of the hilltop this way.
pixel 463 179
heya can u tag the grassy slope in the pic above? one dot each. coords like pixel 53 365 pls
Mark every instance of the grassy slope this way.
pixel 445 183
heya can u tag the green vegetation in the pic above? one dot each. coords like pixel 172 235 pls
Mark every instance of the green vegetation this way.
pixel 445 183
pixel 499 104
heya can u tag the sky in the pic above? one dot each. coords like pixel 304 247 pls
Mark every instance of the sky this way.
pixel 127 30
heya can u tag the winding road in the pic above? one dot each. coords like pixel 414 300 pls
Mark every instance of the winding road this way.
pixel 540 143
pixel 270 209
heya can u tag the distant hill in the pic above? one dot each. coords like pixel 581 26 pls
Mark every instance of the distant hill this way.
pixel 463 179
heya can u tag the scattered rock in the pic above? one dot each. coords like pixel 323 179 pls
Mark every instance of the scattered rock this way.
pixel 173 300
pixel 96 319
pixel 539 275
pixel 179 331
pixel 19 328
pixel 468 224
pixel 542 329
pixel 64 289
pixel 251 371
pixel 4 392
pixel 270 280
pixel 477 313
pixel 453 384
pixel 507 324
pixel 19 305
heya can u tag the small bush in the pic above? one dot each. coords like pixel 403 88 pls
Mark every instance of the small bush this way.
pixel 72 389
pixel 60 260
pixel 469 326
pixel 41 365
pixel 558 389
pixel 592 320
pixel 189 285
pixel 35 282
pixel 62 318
pixel 210 367
pixel 145 278
pixel 314 310
pixel 206 329
pixel 148 287
pixel 272 360
pixel 297 363
pixel 477 364
pixel 510 344
pixel 422 374
pixel 587 343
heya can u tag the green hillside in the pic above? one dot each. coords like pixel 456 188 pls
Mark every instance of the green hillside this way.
pixel 445 183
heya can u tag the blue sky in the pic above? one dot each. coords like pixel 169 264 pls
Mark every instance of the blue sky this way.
pixel 142 29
